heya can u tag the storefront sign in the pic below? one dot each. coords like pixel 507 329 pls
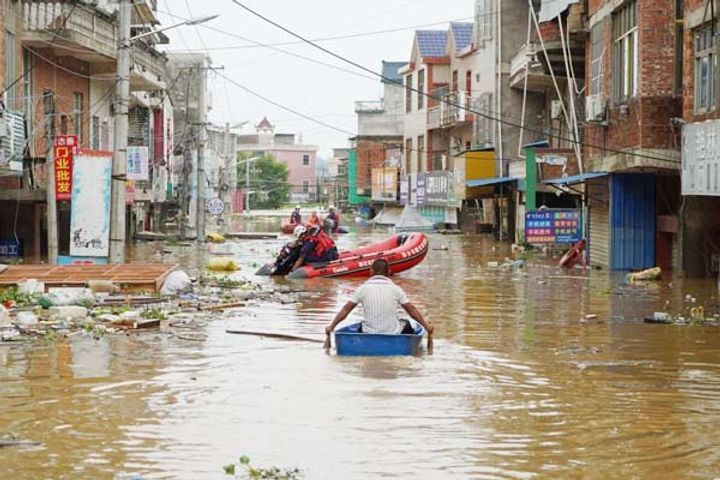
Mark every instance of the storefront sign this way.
pixel 420 192
pixel 553 226
pixel 385 184
pixel 215 206
pixel 10 248
pixel 137 163
pixel 404 190
pixel 65 150
pixel 129 192
pixel 701 158
pixel 90 212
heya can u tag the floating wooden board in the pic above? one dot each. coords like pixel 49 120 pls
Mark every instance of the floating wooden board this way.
pixel 128 276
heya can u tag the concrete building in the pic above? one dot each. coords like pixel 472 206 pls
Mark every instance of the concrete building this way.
pixel 288 149
pixel 62 56
pixel 221 169
pixel 699 224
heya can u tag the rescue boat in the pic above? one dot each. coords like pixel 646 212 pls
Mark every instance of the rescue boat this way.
pixel 402 252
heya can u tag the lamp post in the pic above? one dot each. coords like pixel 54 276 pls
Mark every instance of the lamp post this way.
pixel 120 114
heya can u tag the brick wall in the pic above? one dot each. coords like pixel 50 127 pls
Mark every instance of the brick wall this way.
pixel 644 121
pixel 370 154
pixel 46 76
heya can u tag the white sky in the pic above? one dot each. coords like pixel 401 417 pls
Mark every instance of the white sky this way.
pixel 315 90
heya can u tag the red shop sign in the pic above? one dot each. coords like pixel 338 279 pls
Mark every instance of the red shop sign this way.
pixel 65 149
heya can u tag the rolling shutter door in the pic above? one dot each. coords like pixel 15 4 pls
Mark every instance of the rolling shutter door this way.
pixel 599 212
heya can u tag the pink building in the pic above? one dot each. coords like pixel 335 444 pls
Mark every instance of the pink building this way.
pixel 288 149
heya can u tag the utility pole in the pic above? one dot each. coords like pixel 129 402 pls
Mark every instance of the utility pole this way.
pixel 119 163
pixel 202 136
pixel 51 208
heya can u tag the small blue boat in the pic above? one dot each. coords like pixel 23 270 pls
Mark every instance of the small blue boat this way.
pixel 349 341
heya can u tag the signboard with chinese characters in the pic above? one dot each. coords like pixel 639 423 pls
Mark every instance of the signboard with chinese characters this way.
pixel 553 226
pixel 701 158
pixel 215 206
pixel 90 211
pixel 10 248
pixel 440 189
pixel 65 150
pixel 137 163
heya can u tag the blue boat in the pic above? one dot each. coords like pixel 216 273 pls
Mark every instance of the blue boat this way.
pixel 349 341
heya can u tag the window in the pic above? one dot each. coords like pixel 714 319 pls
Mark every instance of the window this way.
pixel 408 155
pixel 468 82
pixel 408 94
pixel 306 160
pixel 454 81
pixel 625 52
pixel 78 114
pixel 421 89
pixel 95 133
pixel 104 136
pixel 706 70
pixel 597 53
pixel 49 112
pixel 306 186
pixel 10 69
pixel 63 125
pixel 421 153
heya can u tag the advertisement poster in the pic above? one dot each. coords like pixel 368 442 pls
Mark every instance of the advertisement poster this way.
pixel 90 212
pixel 137 163
pixel 553 226
pixel 65 150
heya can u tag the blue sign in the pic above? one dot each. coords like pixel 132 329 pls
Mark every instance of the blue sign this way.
pixel 10 248
pixel 553 226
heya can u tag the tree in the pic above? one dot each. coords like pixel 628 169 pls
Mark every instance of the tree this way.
pixel 269 181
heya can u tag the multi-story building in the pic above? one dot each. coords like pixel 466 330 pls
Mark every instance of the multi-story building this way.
pixel 380 132
pixel 221 167
pixel 698 73
pixel 632 141
pixel 289 149
pixel 63 60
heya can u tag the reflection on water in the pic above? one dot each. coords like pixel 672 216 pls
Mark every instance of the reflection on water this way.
pixel 521 384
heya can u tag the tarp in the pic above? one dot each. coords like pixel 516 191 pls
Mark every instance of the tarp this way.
pixel 388 216
pixel 485 182
pixel 550 9
pixel 412 221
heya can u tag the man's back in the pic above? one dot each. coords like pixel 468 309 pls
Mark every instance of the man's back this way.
pixel 380 299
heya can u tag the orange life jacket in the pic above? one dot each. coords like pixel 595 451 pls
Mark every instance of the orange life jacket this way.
pixel 323 242
pixel 314 219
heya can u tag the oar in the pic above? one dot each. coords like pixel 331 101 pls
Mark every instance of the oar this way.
pixel 282 336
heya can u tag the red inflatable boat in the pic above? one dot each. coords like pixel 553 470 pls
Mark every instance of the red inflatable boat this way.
pixel 401 251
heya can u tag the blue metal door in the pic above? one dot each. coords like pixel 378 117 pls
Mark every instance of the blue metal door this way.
pixel 633 221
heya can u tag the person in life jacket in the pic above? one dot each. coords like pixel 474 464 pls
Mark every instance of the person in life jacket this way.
pixel 317 246
pixel 574 256
pixel 295 217
pixel 335 217
pixel 314 218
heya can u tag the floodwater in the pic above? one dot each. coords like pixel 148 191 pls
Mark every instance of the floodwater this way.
pixel 520 385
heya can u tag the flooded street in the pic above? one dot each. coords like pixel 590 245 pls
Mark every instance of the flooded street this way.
pixel 520 385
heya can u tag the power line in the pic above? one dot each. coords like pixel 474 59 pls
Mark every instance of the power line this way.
pixel 448 102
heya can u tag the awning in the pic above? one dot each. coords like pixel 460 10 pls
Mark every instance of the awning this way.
pixel 573 179
pixel 486 182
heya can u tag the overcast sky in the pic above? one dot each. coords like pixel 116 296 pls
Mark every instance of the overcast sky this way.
pixel 315 90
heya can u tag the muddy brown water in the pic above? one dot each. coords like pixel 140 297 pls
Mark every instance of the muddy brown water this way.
pixel 520 384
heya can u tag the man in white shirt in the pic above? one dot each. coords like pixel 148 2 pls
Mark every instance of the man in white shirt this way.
pixel 380 298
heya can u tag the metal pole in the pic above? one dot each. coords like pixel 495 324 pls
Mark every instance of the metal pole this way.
pixel 200 212
pixel 119 165
pixel 52 231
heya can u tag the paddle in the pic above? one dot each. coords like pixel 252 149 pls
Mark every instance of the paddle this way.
pixel 282 336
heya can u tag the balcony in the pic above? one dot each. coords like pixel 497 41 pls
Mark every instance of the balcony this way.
pixel 451 111
pixel 89 35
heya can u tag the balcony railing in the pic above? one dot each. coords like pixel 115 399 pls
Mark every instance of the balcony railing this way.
pixel 452 110
pixel 62 23
pixel 433 117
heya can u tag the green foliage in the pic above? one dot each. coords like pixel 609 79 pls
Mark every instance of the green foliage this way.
pixel 154 313
pixel 12 294
pixel 256 473
pixel 268 180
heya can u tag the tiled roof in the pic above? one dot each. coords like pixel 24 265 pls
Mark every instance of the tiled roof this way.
pixel 390 71
pixel 431 43
pixel 462 34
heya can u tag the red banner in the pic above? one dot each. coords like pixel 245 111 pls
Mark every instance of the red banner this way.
pixel 65 148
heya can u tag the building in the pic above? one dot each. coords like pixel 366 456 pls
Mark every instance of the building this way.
pixel 380 132
pixel 62 57
pixel 289 149
pixel 631 136
pixel 221 169
pixel 699 223
pixel 191 104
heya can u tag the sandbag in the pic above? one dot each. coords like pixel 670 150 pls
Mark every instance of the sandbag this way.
pixel 177 282
pixel 219 264
pixel 215 238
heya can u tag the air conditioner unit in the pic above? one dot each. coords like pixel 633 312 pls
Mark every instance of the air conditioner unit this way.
pixel 595 110
pixel 556 109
